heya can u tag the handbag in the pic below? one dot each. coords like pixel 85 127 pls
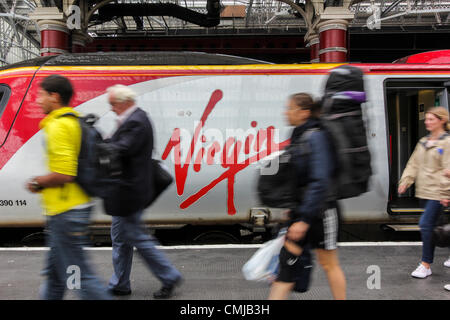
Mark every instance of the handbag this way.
pixel 441 236
pixel 280 189
pixel 162 179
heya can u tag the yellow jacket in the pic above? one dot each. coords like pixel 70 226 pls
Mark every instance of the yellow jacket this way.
pixel 63 142
pixel 426 168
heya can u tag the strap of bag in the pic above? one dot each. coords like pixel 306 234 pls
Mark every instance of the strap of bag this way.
pixel 68 114
pixel 303 141
pixel 341 115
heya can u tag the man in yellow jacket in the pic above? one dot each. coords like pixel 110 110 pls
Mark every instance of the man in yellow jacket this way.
pixel 66 205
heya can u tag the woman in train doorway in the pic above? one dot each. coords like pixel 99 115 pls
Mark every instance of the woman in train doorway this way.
pixel 315 220
pixel 426 168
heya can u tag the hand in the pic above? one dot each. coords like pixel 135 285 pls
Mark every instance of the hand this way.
pixel 32 186
pixel 402 189
pixel 285 214
pixel 297 231
pixel 445 203
pixel 447 173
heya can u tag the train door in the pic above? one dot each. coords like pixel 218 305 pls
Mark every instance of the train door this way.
pixel 407 101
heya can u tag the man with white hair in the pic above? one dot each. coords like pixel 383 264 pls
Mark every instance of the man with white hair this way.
pixel 134 141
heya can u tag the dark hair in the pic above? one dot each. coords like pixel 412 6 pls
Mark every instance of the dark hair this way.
pixel 60 85
pixel 306 101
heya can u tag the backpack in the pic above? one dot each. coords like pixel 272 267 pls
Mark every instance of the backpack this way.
pixel 278 189
pixel 99 164
pixel 341 116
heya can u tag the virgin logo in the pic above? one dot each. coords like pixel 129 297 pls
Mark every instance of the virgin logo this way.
pixel 234 153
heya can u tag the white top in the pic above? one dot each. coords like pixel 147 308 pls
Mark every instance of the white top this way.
pixel 125 115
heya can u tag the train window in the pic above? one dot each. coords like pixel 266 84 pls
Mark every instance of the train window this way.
pixel 407 102
pixel 5 92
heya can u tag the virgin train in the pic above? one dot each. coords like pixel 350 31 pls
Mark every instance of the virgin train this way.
pixel 216 118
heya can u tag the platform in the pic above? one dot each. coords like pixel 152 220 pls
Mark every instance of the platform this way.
pixel 214 272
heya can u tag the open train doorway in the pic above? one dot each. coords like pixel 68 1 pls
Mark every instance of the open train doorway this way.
pixel 407 102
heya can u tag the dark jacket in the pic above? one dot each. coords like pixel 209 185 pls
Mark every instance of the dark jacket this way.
pixel 134 142
pixel 315 168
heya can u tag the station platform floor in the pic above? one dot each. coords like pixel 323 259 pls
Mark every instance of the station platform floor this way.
pixel 214 273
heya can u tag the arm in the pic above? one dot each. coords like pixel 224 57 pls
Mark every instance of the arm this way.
pixel 50 180
pixel 320 168
pixel 63 159
pixel 410 173
pixel 445 178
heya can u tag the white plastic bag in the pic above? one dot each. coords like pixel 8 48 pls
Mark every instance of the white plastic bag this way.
pixel 263 265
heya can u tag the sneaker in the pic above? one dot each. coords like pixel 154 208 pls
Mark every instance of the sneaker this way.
pixel 167 291
pixel 447 263
pixel 447 287
pixel 116 292
pixel 421 272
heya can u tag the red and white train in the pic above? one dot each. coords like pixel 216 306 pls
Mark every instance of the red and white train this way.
pixel 213 116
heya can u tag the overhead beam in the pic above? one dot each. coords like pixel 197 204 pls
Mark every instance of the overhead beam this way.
pixel 108 12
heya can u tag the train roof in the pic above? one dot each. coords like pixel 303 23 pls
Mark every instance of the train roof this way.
pixel 434 62
pixel 429 57
pixel 160 58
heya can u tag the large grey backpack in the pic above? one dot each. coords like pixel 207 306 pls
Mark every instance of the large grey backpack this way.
pixel 342 118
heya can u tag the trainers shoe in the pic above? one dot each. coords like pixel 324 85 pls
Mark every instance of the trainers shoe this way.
pixel 447 263
pixel 421 272
pixel 167 290
pixel 116 292
pixel 447 287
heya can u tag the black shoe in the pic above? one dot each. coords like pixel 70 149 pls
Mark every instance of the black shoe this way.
pixel 167 291
pixel 116 292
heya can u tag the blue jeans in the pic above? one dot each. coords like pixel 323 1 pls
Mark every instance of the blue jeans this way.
pixel 126 233
pixel 67 265
pixel 427 222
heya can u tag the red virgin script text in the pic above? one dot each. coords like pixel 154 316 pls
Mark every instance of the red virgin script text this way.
pixel 264 140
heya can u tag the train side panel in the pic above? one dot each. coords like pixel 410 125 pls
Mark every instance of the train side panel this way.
pixel 211 129
pixel 240 114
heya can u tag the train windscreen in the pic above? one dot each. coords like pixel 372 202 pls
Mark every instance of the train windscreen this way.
pixel 5 92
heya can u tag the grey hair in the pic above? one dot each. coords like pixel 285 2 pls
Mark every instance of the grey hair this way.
pixel 122 93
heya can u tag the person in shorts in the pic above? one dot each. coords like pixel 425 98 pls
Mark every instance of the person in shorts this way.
pixel 314 221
